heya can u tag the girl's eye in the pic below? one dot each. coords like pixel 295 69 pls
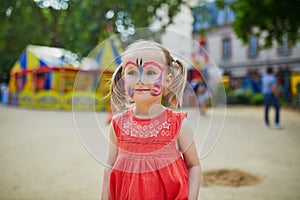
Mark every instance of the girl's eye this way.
pixel 132 72
pixel 151 72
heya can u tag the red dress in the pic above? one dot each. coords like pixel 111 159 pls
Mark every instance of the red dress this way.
pixel 148 165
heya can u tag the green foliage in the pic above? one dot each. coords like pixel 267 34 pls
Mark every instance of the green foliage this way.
pixel 257 99
pixel 77 25
pixel 243 97
pixel 238 96
pixel 270 19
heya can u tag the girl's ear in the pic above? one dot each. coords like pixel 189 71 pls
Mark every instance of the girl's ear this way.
pixel 169 80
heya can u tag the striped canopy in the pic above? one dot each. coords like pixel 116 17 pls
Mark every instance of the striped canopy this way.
pixel 38 57
pixel 104 57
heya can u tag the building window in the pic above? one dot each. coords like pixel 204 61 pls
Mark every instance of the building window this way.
pixel 284 48
pixel 226 48
pixel 253 47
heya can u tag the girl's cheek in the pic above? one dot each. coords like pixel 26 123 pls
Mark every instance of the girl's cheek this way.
pixel 157 86
pixel 129 89
pixel 156 89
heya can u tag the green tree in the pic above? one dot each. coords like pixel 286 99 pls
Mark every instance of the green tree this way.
pixel 270 19
pixel 77 25
pixel 22 23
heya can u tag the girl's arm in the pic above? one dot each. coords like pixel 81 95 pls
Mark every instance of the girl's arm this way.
pixel 113 152
pixel 187 145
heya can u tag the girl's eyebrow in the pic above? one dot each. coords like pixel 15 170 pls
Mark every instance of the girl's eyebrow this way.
pixel 144 65
pixel 130 63
pixel 152 63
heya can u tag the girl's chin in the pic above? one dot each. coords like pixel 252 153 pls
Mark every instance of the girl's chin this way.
pixel 145 96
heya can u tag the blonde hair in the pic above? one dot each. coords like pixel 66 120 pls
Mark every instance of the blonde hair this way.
pixel 173 93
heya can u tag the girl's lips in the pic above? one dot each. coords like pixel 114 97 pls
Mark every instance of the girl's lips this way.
pixel 142 90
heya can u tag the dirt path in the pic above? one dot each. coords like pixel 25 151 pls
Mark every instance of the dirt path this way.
pixel 42 156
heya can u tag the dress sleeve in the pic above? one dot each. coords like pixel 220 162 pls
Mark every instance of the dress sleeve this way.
pixel 119 121
pixel 178 119
pixel 116 122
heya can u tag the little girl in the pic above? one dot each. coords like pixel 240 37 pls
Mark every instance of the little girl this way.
pixel 152 154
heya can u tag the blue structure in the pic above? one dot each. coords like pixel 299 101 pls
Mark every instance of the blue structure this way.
pixel 207 15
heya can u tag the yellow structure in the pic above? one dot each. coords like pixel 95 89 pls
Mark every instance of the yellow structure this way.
pixel 295 81
pixel 52 78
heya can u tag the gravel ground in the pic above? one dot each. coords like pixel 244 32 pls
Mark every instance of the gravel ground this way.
pixel 42 157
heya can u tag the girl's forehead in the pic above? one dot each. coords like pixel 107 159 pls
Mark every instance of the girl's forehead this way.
pixel 144 54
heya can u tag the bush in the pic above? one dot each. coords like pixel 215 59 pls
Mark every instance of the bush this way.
pixel 243 97
pixel 257 99
pixel 238 96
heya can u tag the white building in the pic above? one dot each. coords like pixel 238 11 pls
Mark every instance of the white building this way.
pixel 178 36
pixel 228 52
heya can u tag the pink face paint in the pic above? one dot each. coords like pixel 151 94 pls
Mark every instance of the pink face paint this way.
pixel 129 63
pixel 157 87
pixel 153 64
pixel 156 90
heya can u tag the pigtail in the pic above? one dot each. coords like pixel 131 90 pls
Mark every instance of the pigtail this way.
pixel 176 88
pixel 174 92
pixel 117 90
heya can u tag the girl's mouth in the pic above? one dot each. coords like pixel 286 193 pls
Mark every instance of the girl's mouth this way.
pixel 142 90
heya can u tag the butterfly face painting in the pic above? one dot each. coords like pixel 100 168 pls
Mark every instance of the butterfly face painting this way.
pixel 143 78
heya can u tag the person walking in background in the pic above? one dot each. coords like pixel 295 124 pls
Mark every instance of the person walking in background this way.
pixel 152 153
pixel 271 97
pixel 203 96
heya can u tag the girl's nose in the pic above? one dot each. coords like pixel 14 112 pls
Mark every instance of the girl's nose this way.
pixel 140 83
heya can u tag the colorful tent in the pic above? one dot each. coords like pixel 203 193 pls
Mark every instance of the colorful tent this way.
pixel 51 78
pixel 39 70
pixel 37 57
pixel 104 57
pixel 37 60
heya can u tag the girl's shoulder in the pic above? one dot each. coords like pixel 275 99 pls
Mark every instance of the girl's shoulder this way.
pixel 122 114
pixel 177 113
pixel 119 119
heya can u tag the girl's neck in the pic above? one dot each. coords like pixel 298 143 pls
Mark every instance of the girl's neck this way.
pixel 148 110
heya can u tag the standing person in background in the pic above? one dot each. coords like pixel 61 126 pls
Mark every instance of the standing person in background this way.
pixel 271 97
pixel 152 153
pixel 203 96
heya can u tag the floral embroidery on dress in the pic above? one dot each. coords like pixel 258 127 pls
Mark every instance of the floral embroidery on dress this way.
pixel 134 129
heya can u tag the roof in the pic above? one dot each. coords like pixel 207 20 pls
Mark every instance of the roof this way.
pixel 35 57
pixel 105 57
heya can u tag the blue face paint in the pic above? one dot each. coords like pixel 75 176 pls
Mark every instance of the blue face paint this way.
pixel 140 68
pixel 130 92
